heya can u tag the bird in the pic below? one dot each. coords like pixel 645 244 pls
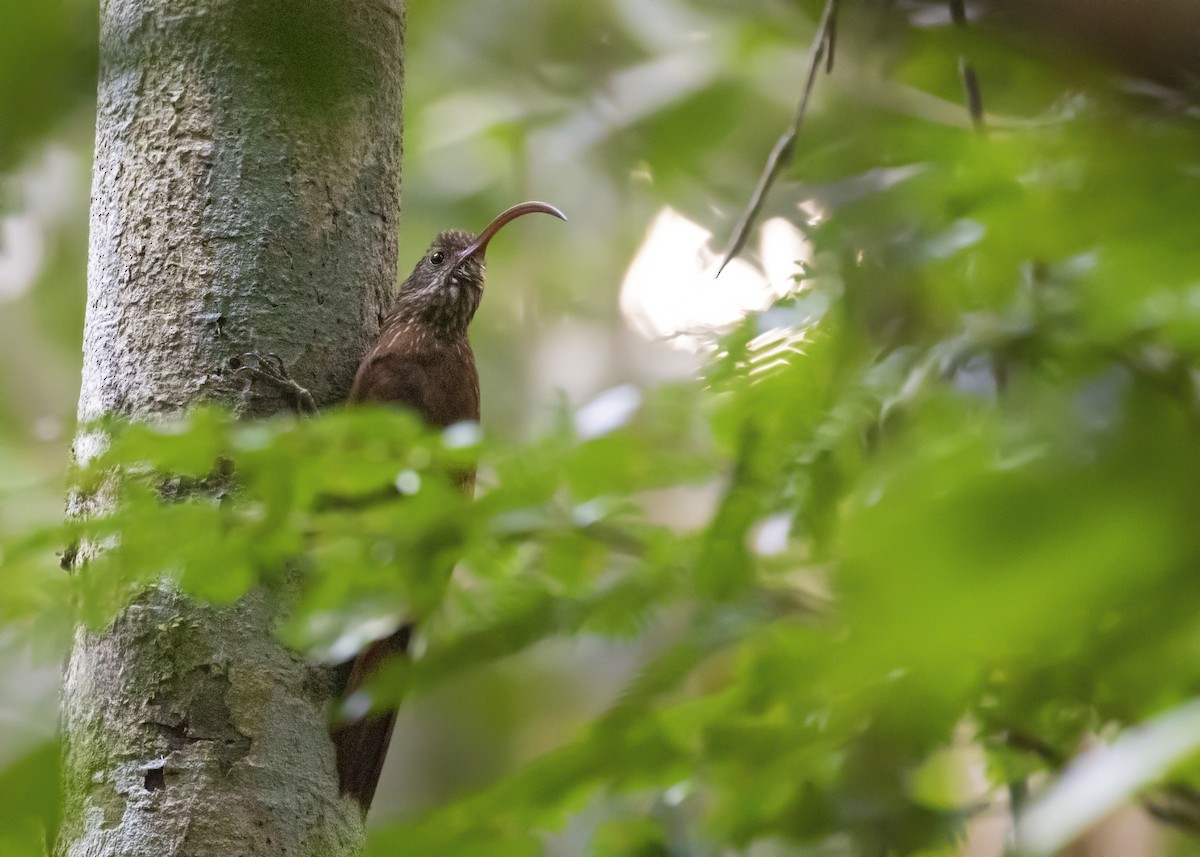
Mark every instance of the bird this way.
pixel 422 360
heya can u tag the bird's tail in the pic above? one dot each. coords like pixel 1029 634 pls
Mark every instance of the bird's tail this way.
pixel 363 744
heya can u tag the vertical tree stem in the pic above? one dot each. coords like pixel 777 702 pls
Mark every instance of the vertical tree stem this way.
pixel 245 197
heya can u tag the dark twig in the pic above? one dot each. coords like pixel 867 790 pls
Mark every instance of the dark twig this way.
pixel 781 154
pixel 970 80
pixel 1030 743
pixel 974 97
pixel 1173 803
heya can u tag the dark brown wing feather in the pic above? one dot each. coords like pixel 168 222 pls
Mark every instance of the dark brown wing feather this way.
pixel 396 379
pixel 442 385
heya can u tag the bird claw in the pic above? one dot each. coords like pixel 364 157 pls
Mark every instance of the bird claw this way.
pixel 269 368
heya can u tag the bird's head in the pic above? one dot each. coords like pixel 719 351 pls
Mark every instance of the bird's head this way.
pixel 446 285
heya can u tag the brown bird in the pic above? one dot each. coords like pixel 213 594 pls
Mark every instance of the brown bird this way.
pixel 423 361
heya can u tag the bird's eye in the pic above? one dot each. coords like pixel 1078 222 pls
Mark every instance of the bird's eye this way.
pixel 438 257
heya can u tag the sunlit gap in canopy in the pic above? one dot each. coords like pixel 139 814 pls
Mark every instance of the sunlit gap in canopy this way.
pixel 671 291
pixel 43 198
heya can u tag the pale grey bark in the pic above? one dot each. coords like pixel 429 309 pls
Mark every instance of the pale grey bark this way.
pixel 245 197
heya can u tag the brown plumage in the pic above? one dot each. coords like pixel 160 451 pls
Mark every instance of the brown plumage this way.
pixel 423 361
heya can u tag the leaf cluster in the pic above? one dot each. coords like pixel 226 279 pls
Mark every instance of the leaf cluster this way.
pixel 953 474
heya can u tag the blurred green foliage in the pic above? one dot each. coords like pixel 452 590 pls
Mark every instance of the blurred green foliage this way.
pixel 954 470
pixel 48 56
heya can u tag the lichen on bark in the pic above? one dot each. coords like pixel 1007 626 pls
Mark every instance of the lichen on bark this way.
pixel 194 732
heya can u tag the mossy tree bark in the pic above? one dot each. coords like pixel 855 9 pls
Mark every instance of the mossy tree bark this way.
pixel 245 198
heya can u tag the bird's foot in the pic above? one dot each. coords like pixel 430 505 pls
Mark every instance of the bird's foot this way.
pixel 269 369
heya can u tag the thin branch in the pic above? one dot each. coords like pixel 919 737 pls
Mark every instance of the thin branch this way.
pixel 1175 804
pixel 970 82
pixel 1030 743
pixel 966 72
pixel 781 154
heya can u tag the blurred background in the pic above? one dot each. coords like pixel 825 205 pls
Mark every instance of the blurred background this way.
pixel 639 120
pixel 648 122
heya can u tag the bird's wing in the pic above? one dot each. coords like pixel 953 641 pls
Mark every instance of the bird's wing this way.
pixel 393 379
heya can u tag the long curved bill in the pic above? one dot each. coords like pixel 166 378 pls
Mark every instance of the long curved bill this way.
pixel 479 245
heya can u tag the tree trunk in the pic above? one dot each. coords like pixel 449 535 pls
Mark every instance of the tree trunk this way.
pixel 245 197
